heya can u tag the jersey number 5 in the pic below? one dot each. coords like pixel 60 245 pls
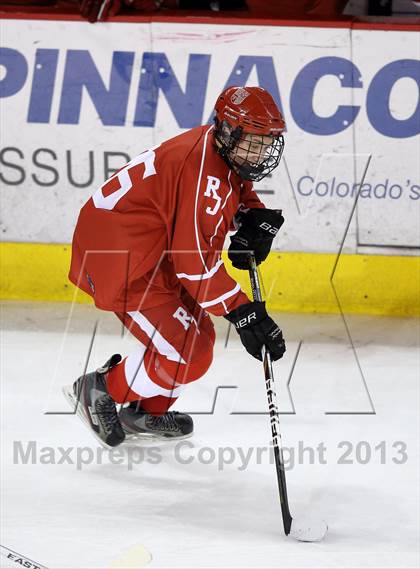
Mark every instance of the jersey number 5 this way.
pixel 110 193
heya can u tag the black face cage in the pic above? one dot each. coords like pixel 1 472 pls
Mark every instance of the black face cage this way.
pixel 252 159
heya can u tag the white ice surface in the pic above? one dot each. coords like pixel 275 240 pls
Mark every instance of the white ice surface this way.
pixel 212 515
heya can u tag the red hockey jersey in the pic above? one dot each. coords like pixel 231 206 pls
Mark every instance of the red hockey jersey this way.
pixel 170 207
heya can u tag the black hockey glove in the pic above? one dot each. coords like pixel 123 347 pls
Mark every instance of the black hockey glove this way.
pixel 258 227
pixel 256 329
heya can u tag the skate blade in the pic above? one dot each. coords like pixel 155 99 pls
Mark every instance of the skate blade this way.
pixel 78 409
pixel 133 438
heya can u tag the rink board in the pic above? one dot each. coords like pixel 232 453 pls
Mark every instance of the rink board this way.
pixel 296 282
pixel 78 101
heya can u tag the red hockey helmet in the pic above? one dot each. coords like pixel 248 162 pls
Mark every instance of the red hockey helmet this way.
pixel 248 131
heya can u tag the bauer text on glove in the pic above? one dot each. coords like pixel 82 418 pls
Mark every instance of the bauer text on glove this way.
pixel 256 329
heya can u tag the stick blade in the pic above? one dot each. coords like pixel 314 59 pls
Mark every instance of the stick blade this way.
pixel 308 529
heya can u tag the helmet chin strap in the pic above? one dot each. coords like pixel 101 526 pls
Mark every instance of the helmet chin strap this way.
pixel 248 172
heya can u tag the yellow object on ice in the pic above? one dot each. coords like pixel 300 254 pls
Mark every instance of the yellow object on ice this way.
pixel 136 557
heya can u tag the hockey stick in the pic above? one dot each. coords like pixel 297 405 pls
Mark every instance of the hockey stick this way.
pixel 309 530
pixel 18 559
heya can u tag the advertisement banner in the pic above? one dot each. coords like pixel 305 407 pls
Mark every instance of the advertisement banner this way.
pixel 78 101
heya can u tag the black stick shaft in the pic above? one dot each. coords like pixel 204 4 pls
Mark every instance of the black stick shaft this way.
pixel 272 407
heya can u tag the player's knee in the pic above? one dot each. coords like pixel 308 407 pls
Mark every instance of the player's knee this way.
pixel 196 360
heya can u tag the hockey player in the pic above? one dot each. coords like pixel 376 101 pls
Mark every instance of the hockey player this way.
pixel 147 246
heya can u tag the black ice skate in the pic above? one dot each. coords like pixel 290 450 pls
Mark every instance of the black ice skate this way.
pixel 138 424
pixel 92 402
